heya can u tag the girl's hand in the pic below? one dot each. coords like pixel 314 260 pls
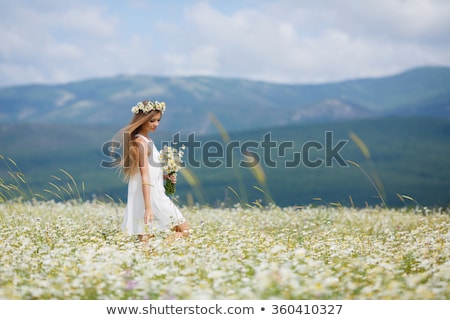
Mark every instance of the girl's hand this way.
pixel 173 178
pixel 148 216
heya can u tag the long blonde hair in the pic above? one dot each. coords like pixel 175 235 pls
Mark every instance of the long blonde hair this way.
pixel 128 164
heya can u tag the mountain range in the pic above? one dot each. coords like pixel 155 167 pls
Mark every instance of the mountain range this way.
pixel 239 104
pixel 403 122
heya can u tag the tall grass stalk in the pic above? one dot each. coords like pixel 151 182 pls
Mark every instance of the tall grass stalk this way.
pixel 371 181
pixel 402 197
pixel 268 197
pixel 260 176
pixel 195 184
pixel 65 188
pixel 375 179
pixel 226 139
pixel 74 183
pixel 21 188
pixel 243 203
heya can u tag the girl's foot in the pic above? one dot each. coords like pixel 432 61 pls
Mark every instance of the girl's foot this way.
pixel 145 237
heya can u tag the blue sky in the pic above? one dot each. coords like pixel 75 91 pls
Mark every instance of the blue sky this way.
pixel 288 41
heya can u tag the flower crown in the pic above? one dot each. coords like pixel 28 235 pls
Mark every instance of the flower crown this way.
pixel 146 108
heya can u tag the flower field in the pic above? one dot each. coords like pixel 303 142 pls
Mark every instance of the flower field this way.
pixel 75 250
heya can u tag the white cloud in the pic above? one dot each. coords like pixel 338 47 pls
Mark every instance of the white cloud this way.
pixel 49 44
pixel 285 41
pixel 288 42
pixel 400 19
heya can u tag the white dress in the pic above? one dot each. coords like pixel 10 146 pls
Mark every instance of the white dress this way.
pixel 165 214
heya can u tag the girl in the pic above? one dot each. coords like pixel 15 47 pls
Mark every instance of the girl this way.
pixel 147 203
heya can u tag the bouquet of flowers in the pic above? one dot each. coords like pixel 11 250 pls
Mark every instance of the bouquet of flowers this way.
pixel 171 162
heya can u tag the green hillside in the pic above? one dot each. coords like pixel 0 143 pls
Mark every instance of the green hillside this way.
pixel 408 156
